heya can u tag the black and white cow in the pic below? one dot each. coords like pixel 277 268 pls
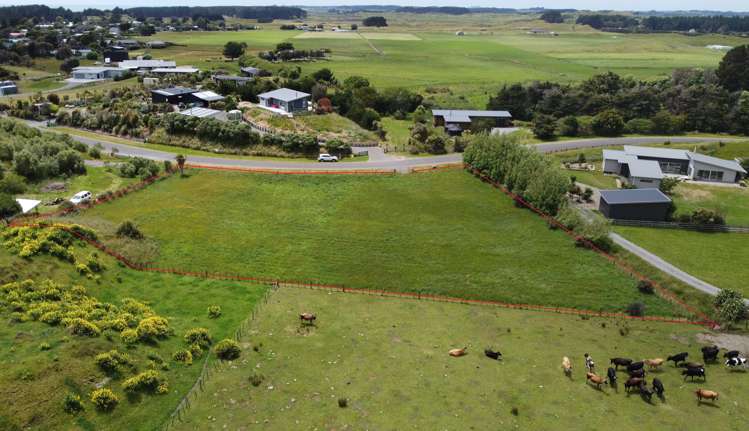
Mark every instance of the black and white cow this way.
pixel 736 361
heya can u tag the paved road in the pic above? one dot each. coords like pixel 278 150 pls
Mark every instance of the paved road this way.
pixel 666 267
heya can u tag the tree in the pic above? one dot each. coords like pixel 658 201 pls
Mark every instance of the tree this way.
pixel 733 70
pixel 8 206
pixel 68 65
pixel 569 126
pixel 668 184
pixel 324 75
pixel 543 126
pixel 741 114
pixel 374 21
pixel 731 307
pixel 234 49
pixel 284 46
pixel 181 159
pixel 608 123
pixel 552 16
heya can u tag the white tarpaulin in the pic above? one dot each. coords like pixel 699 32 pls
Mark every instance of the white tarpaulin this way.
pixel 27 204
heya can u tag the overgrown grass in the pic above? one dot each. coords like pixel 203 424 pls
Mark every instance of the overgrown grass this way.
pixel 733 202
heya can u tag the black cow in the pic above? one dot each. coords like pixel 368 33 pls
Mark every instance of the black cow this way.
pixel 658 386
pixel 646 393
pixel 635 366
pixel 710 353
pixel 633 382
pixel 679 357
pixel 637 373
pixel 611 373
pixel 735 362
pixel 694 372
pixel 692 365
pixel 731 354
pixel 620 361
pixel 492 354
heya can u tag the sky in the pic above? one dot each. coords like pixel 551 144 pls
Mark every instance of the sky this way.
pixel 724 5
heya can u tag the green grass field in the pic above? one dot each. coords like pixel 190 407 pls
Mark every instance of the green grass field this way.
pixel 388 358
pixel 443 233
pixel 733 202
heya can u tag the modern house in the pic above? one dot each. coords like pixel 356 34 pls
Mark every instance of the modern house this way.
pixel 8 87
pixel 205 113
pixel 204 98
pixel 455 121
pixel 141 65
pixel 250 71
pixel 185 70
pixel 635 204
pixel 284 101
pixel 115 54
pixel 93 73
pixel 646 166
pixel 238 80
pixel 172 95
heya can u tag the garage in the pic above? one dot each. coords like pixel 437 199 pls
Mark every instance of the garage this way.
pixel 635 204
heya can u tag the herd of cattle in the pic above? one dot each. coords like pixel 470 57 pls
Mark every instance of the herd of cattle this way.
pixel 636 371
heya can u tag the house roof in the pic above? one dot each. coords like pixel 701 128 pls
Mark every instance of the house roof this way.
pixel 284 94
pixel 661 153
pixel 464 116
pixel 174 91
pixel 645 169
pixel 634 196
pixel 714 161
pixel 208 96
pixel 232 78
pixel 95 69
pixel 138 64
pixel 201 112
pixel 183 69
pixel 249 69
pixel 619 156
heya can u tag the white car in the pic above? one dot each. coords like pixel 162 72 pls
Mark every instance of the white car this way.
pixel 79 197
pixel 326 158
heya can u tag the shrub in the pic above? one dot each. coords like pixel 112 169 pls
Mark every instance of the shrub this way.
pixel 95 153
pixel 543 126
pixel 72 403
pixel 707 217
pixel 44 346
pixel 112 361
pixel 256 379
pixel 731 307
pixel 641 126
pixel 199 336
pixel 83 327
pixel 636 309
pixel 342 403
pixel 568 126
pixel 152 328
pixel 646 287
pixel 148 381
pixel 129 336
pixel 8 206
pixel 184 356
pixel 227 349
pixel 104 399
pixel 608 123
pixel 128 229
pixel 214 311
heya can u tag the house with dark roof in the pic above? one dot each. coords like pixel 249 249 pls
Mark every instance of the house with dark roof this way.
pixel 648 204
pixel 172 95
pixel 284 101
pixel 455 121
pixel 115 54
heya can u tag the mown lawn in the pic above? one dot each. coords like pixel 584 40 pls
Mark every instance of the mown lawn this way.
pixel 388 358
pixel 717 258
pixel 443 233
pixel 35 381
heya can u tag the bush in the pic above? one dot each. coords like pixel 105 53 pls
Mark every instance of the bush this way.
pixel 544 126
pixel 72 403
pixel 152 327
pixel 342 403
pixel 641 126
pixel 184 356
pixel 112 361
pixel 568 126
pixel 8 206
pixel 148 381
pixel 12 184
pixel 199 336
pixel 129 336
pixel 104 399
pixel 214 311
pixel 127 229
pixel 83 327
pixel 646 287
pixel 731 307
pixel 636 309
pixel 256 379
pixel 707 217
pixel 95 153
pixel 138 167
pixel 608 123
pixel 44 346
pixel 227 349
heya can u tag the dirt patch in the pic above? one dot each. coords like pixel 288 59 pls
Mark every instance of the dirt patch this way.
pixel 726 341
pixel 53 187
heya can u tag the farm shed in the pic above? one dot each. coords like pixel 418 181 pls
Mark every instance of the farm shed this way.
pixel 635 204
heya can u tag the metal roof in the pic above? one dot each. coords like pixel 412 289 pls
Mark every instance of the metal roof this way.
pixel 200 112
pixel 232 78
pixel 714 161
pixel 464 116
pixel 645 169
pixel 634 196
pixel 661 153
pixel 619 156
pixel 284 94
pixel 137 64
pixel 174 91
pixel 208 96
pixel 95 69
pixel 183 69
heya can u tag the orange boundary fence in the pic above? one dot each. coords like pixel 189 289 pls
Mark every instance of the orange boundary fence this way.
pixel 295 171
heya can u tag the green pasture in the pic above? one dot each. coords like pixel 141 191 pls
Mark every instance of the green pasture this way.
pixel 388 358
pixel 444 233
pixel 732 202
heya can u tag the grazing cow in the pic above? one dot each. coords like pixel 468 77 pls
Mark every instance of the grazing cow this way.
pixel 704 393
pixel 637 373
pixel 679 357
pixel 694 372
pixel 735 362
pixel 492 354
pixel 692 365
pixel 654 363
pixel 731 354
pixel 567 366
pixel 307 318
pixel 710 353
pixel 457 352
pixel 624 362
pixel 595 379
pixel 635 366
pixel 633 382
pixel 645 392
pixel 658 386
pixel 611 373
pixel 589 364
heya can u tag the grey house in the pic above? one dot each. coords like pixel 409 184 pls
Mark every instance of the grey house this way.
pixel 96 73
pixel 8 87
pixel 648 204
pixel 285 99
pixel 455 121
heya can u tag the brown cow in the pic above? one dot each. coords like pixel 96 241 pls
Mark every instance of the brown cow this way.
pixel 307 318
pixel 704 393
pixel 567 366
pixel 458 352
pixel 654 363
pixel 595 379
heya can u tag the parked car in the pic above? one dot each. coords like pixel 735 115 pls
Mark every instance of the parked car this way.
pixel 80 197
pixel 326 158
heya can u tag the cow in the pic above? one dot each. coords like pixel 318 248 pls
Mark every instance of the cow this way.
pixel 646 393
pixel 637 373
pixel 307 318
pixel 679 357
pixel 620 362
pixel 634 366
pixel 692 365
pixel 489 353
pixel 611 374
pixel 704 393
pixel 658 387
pixel 654 363
pixel 736 361
pixel 595 379
pixel 633 382
pixel 731 354
pixel 694 372
pixel 567 366
pixel 589 364
pixel 710 353
pixel 457 352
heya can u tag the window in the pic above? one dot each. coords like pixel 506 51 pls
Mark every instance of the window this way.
pixel 671 167
pixel 709 175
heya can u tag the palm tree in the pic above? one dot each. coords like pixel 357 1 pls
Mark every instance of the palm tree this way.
pixel 181 163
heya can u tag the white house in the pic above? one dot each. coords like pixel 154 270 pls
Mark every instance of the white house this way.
pixel 146 65
pixel 97 73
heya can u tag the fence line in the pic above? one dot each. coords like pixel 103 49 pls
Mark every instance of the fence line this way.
pixel 295 171
pixel 678 225
pixel 432 168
